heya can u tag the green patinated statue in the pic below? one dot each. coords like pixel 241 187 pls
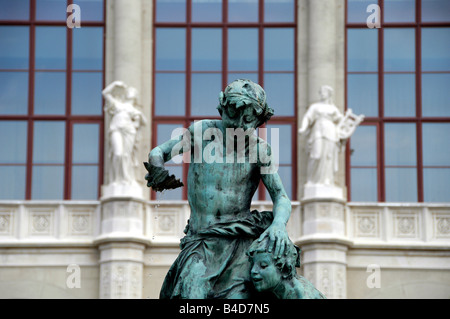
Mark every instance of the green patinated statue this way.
pixel 278 275
pixel 224 173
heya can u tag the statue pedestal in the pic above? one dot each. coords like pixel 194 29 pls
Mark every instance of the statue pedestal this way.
pixel 320 191
pixel 117 189
pixel 324 243
pixel 122 243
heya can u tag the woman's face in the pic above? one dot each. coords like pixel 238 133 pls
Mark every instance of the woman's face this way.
pixel 264 274
pixel 324 93
pixel 131 94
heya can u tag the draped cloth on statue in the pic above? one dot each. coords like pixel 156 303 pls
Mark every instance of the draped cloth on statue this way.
pixel 213 263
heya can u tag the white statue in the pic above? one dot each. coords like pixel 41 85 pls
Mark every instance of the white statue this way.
pixel 327 132
pixel 126 120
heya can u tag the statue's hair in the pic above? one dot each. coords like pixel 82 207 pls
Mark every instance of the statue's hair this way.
pixel 328 88
pixel 286 263
pixel 245 93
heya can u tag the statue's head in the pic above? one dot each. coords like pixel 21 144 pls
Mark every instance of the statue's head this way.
pixel 266 270
pixel 243 105
pixel 326 92
pixel 132 94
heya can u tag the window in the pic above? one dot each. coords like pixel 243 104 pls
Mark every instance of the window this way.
pixel 398 76
pixel 202 46
pixel 51 78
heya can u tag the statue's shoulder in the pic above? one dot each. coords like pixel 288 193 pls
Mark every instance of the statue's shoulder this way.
pixel 307 289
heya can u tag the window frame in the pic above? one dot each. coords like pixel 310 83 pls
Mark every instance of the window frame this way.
pixel 380 120
pixel 224 25
pixel 69 119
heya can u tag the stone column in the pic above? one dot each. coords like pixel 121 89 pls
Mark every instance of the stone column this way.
pixel 321 46
pixel 122 241
pixel 323 242
pixel 127 42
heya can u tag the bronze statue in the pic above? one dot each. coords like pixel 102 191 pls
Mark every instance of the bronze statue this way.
pixel 213 262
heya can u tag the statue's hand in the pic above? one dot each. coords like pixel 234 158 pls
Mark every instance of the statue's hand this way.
pixel 159 178
pixel 278 239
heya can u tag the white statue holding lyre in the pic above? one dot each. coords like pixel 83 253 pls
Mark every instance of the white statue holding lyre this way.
pixel 327 131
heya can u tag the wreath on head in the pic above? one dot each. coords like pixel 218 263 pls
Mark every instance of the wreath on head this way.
pixel 243 92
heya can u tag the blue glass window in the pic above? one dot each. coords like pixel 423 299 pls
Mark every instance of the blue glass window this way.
pixel 170 49
pixel 364 146
pixel 363 93
pixel 362 46
pixel 49 142
pixel 363 156
pixel 242 49
pixel 400 159
pixel 205 93
pixel 14 47
pixel 91 10
pixel 399 49
pixel 50 48
pixel 207 11
pixel 435 49
pixel 51 10
pixel 166 102
pixel 399 10
pixel 399 95
pixel 50 93
pixel 15 10
pixel 279 88
pixel 84 182
pixel 279 10
pixel 48 182
pixel 401 184
pixel 13 142
pixel 87 48
pixel 435 153
pixel 435 97
pixel 206 49
pixel 13 93
pixel 435 10
pixel 357 10
pixel 279 49
pixel 400 144
pixel 170 10
pixel 85 177
pixel 83 152
pixel 242 10
pixel 87 93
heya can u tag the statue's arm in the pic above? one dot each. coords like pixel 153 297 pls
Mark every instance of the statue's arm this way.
pixel 108 93
pixel 306 121
pixel 277 233
pixel 281 203
pixel 158 177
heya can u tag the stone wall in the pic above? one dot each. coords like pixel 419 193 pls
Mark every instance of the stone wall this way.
pixel 124 247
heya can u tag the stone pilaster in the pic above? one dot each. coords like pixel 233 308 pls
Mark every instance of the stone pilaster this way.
pixel 324 245
pixel 122 244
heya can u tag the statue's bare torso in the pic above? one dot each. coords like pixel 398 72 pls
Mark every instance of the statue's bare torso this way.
pixel 219 192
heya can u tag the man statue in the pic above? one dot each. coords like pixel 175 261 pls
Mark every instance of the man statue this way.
pixel 213 261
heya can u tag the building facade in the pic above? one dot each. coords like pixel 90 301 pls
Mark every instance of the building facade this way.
pixel 67 232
